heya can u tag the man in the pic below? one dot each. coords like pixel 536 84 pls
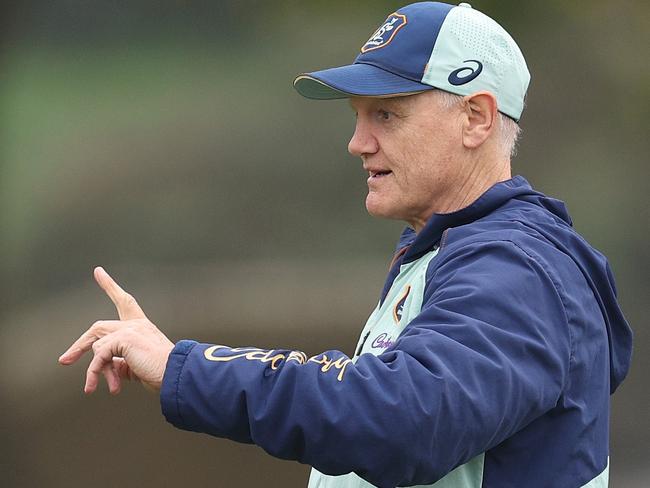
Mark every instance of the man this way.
pixel 497 340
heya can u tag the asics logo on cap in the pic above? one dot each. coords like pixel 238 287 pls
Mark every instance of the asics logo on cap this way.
pixel 385 34
pixel 468 73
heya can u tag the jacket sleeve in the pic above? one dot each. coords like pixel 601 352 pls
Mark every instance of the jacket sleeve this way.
pixel 488 353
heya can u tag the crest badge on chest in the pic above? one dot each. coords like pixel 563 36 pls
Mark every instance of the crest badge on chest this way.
pixel 398 310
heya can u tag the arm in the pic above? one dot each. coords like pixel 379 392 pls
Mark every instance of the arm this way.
pixel 488 354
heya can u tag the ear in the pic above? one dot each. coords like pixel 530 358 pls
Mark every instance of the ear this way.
pixel 481 113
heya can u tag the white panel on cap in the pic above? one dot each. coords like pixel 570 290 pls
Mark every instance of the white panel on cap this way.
pixel 468 34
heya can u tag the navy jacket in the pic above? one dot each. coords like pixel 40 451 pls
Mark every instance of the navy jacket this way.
pixel 514 342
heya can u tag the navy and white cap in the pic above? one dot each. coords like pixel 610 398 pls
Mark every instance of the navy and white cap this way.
pixel 430 45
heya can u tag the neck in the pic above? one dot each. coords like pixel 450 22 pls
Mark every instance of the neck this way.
pixel 480 177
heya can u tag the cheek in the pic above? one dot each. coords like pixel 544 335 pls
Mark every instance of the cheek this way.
pixel 428 167
pixel 432 150
pixel 419 162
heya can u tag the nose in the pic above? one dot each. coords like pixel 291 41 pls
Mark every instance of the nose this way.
pixel 363 142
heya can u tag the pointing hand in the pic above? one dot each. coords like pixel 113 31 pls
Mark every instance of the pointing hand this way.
pixel 131 347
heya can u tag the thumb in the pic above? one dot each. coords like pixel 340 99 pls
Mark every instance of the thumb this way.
pixel 127 306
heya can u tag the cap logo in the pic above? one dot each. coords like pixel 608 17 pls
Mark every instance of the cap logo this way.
pixel 385 34
pixel 468 73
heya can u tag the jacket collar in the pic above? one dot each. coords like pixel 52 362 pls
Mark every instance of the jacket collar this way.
pixel 431 233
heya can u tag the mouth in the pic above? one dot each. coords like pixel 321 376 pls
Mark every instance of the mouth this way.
pixel 378 174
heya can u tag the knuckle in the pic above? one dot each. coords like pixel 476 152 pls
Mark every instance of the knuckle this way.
pixel 94 368
pixel 128 300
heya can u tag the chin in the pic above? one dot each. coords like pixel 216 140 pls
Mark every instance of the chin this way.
pixel 381 209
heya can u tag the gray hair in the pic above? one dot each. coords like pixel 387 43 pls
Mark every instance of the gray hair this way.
pixel 508 130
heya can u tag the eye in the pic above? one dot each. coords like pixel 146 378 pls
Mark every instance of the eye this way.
pixel 384 114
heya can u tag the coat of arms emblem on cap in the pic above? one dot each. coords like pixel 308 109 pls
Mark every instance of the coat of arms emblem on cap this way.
pixel 385 34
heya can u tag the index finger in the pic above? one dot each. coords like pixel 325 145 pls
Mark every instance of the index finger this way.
pixel 98 330
pixel 127 307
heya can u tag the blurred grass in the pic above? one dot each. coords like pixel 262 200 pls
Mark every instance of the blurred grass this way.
pixel 95 135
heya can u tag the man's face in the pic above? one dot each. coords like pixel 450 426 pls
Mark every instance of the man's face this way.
pixel 410 147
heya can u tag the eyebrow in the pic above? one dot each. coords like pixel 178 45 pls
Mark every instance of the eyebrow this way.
pixel 395 102
pixel 388 102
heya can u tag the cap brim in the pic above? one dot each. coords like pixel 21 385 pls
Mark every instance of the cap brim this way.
pixel 355 80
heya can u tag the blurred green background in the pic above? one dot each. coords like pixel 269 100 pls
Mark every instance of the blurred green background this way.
pixel 163 140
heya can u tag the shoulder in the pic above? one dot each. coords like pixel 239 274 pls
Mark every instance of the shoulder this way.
pixel 501 245
pixel 518 229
